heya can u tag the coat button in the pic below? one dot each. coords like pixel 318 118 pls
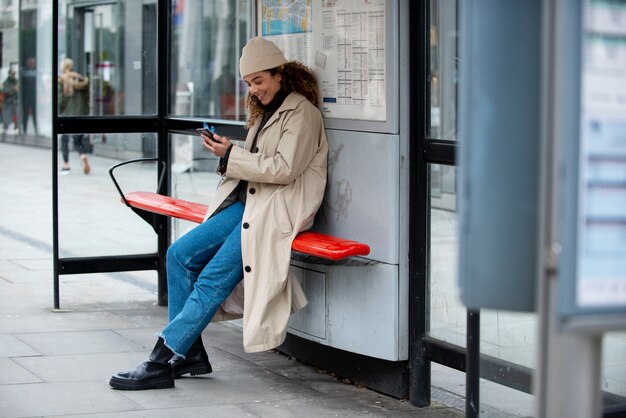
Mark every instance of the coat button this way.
pixel 246 225
pixel 252 190
pixel 248 269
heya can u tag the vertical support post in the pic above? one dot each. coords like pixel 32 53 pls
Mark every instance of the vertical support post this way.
pixel 163 148
pixel 162 245
pixel 472 366
pixel 55 163
pixel 419 315
pixel 571 363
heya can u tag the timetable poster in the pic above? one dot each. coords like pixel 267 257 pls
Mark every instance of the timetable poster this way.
pixel 344 42
pixel 601 281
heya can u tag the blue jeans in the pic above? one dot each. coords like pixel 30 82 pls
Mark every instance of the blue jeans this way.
pixel 203 267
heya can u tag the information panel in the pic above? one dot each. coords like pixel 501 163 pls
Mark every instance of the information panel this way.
pixel 601 258
pixel 344 43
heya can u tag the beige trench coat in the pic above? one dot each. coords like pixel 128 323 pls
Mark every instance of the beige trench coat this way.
pixel 286 181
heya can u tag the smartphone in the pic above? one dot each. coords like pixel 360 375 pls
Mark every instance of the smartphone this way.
pixel 207 130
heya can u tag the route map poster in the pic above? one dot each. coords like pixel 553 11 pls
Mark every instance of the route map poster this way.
pixel 289 24
pixel 344 42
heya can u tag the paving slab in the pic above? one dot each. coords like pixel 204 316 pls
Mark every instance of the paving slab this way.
pixel 78 342
pixel 213 411
pixel 10 346
pixel 145 317
pixel 80 367
pixel 47 320
pixel 34 264
pixel 49 399
pixel 7 265
pixel 23 276
pixel 12 373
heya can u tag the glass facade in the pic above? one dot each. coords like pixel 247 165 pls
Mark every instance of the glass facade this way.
pixel 25 70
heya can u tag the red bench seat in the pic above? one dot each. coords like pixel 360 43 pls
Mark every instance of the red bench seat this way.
pixel 310 243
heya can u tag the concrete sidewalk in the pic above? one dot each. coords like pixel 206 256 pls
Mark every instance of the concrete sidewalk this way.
pixel 58 362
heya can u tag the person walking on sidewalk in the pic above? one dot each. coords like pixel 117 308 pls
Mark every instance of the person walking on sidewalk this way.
pixel 9 106
pixel 73 102
pixel 28 75
pixel 271 190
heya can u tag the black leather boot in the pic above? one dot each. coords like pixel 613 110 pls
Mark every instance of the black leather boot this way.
pixel 154 373
pixel 196 361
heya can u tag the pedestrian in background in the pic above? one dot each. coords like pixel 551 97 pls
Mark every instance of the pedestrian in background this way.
pixel 9 106
pixel 28 76
pixel 73 101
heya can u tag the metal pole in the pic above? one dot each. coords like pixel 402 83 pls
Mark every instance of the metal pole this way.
pixel 419 315
pixel 55 146
pixel 472 366
pixel 163 147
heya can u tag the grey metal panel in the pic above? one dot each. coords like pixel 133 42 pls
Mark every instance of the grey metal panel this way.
pixel 362 194
pixel 404 162
pixel 359 306
pixel 499 149
pixel 363 310
pixel 310 321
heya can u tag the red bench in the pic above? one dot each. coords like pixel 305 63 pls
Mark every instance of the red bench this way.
pixel 310 243
pixel 307 246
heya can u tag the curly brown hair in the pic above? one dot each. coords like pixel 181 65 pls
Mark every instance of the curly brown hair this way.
pixel 295 77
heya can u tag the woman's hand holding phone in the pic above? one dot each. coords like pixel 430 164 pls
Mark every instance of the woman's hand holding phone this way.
pixel 216 144
pixel 206 132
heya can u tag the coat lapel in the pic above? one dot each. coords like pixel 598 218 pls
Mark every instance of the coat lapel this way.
pixel 251 135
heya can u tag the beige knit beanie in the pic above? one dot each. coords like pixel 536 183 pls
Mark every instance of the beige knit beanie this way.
pixel 259 54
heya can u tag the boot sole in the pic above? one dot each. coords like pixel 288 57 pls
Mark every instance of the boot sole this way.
pixel 193 370
pixel 121 384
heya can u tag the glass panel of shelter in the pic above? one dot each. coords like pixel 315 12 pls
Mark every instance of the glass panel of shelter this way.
pixel 207 38
pixel 92 219
pixel 110 70
pixel 116 60
pixel 443 77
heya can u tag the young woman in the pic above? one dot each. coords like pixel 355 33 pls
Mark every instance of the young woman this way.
pixel 271 190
